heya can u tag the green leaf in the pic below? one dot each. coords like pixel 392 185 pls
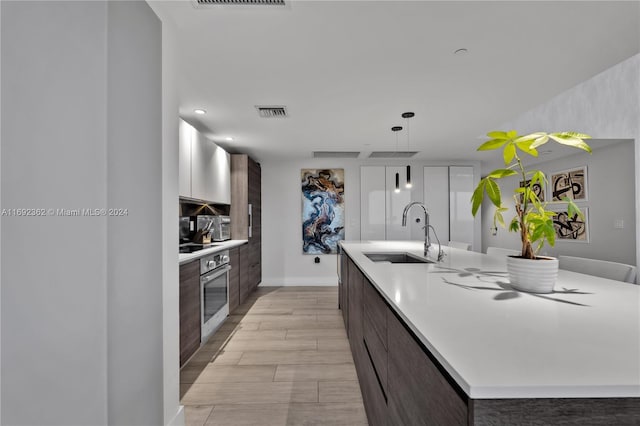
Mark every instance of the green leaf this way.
pixel 476 198
pixel 492 144
pixel 509 153
pixel 525 146
pixel 530 137
pixel 565 139
pixel 499 218
pixel 550 233
pixel 540 141
pixel 514 226
pixel 511 134
pixel 576 135
pixel 572 208
pixel 497 134
pixel 537 177
pixel 500 173
pixel 493 192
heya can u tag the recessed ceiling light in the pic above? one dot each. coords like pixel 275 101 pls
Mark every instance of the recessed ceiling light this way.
pixel 200 111
pixel 461 51
pixel 228 139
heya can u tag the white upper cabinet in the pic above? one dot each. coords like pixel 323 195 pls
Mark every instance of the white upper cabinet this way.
pixel 209 170
pixel 436 198
pixel 461 186
pixel 184 158
pixel 372 203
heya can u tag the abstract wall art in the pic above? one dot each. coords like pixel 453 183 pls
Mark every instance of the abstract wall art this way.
pixel 571 228
pixel 322 210
pixel 569 183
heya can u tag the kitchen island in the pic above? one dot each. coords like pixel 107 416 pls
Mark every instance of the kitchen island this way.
pixel 506 357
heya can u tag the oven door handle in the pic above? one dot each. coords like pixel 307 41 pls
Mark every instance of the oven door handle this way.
pixel 212 276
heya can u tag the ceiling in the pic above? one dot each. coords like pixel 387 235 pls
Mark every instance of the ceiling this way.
pixel 347 70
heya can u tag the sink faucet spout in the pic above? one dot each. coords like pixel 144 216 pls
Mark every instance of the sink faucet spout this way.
pixel 427 240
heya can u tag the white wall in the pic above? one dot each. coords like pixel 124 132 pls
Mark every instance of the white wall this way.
pixel 173 412
pixel 606 106
pixel 81 296
pixel 609 184
pixel 282 260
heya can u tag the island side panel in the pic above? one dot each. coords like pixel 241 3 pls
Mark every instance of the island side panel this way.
pixel 556 411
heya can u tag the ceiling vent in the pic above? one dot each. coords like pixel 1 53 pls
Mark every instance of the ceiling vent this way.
pixel 272 111
pixel 335 154
pixel 392 154
pixel 201 3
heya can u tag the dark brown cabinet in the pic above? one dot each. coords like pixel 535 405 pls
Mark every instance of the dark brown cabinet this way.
pixel 400 384
pixel 366 351
pixel 189 309
pixel 246 220
pixel 342 289
pixel 403 384
pixel 234 279
pixel 419 393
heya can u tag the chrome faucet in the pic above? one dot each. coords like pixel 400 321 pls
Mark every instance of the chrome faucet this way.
pixel 427 239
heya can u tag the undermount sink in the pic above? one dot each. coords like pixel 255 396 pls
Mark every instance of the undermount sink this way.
pixel 397 257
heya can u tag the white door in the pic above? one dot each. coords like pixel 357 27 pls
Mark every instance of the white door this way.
pixel 372 203
pixel 461 186
pixel 436 199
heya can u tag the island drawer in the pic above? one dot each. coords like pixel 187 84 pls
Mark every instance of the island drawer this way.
pixel 376 310
pixel 376 352
pixel 418 392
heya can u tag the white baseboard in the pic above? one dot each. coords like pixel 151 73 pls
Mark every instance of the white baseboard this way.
pixel 178 419
pixel 299 281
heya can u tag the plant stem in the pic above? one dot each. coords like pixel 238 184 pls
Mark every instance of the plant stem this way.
pixel 527 249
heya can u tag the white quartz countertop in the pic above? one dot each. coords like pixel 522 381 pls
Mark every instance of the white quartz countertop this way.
pixel 583 340
pixel 216 247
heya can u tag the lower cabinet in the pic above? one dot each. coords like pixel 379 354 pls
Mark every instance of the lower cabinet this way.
pixel 189 310
pixel 419 394
pixel 245 287
pixel 400 383
pixel 234 279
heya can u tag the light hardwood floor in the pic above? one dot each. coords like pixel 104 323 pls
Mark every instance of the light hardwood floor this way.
pixel 282 358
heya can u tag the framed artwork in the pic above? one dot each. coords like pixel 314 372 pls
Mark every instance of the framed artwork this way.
pixel 572 228
pixel 537 189
pixel 322 210
pixel 569 183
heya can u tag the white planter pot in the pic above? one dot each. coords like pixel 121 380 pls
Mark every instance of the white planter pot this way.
pixel 533 276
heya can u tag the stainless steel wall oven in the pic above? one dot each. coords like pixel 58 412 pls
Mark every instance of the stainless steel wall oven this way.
pixel 214 292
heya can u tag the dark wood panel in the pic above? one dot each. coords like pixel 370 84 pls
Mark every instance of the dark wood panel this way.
pixel 245 190
pixel 354 298
pixel 375 403
pixel 377 351
pixel 418 394
pixel 245 268
pixel 234 279
pixel 239 197
pixel 376 309
pixel 189 309
pixel 557 411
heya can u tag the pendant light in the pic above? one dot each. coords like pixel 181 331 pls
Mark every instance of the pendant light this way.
pixel 407 116
pixel 396 129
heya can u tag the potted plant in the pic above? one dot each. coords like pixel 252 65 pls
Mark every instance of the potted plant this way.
pixel 534 222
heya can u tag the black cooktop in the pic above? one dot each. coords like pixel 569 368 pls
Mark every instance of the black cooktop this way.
pixel 193 247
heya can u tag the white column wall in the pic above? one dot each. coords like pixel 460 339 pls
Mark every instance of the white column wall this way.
pixel 81 297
